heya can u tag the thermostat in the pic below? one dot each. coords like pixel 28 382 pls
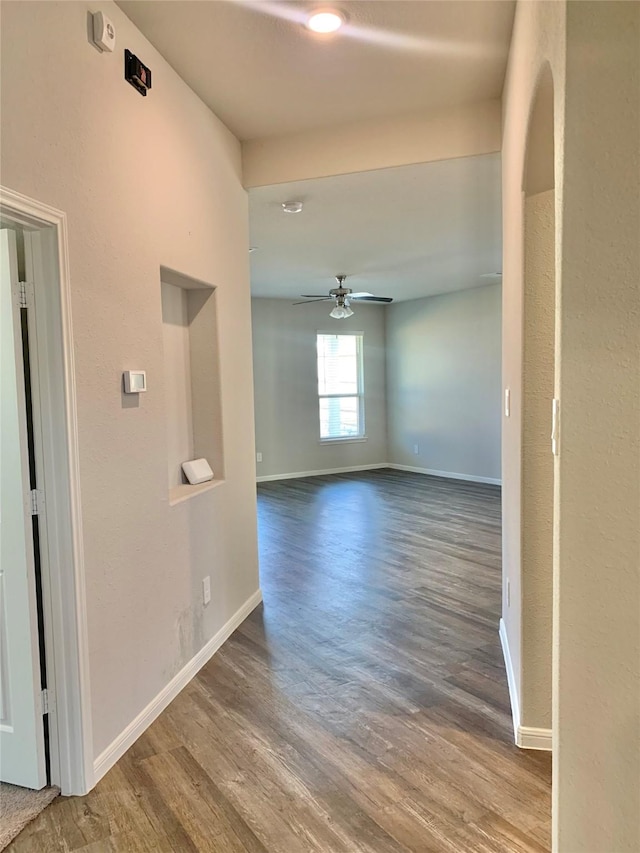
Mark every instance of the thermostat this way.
pixel 104 33
pixel 135 381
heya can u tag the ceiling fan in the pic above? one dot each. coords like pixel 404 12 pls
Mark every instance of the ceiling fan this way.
pixel 342 297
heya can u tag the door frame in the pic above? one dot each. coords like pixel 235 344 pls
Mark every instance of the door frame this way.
pixel 66 632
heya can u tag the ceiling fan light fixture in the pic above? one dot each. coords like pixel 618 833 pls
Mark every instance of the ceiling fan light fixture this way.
pixel 338 313
pixel 325 21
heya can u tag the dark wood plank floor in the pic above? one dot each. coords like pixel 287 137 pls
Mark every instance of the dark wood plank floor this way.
pixel 363 707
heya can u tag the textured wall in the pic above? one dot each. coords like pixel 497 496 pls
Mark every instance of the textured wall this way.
pixel 177 380
pixel 538 39
pixel 537 459
pixel 377 144
pixel 443 382
pixel 286 387
pixel 598 703
pixel 592 49
pixel 144 182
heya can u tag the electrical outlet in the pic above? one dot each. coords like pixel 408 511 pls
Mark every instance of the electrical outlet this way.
pixel 206 590
pixel 416 449
pixel 258 457
pixel 508 593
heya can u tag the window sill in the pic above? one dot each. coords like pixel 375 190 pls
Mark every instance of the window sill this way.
pixel 345 439
pixel 185 491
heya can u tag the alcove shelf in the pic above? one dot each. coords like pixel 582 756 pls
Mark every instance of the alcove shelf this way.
pixel 181 493
pixel 191 380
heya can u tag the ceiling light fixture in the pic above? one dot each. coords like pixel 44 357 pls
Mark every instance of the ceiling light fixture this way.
pixel 292 206
pixel 325 21
pixel 342 309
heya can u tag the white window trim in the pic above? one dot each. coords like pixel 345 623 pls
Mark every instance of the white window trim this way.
pixel 362 436
pixel 350 439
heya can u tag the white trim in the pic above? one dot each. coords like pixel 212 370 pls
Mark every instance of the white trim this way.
pixel 450 475
pixel 511 679
pixel 526 737
pixel 105 761
pixel 531 738
pixel 67 635
pixel 296 474
pixel 345 439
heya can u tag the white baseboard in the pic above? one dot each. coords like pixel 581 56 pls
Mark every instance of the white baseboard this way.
pixel 526 737
pixel 296 474
pixel 530 738
pixel 471 478
pixel 136 727
pixel 450 475
pixel 511 680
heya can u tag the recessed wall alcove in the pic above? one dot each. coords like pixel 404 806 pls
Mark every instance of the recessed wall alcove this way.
pixel 191 380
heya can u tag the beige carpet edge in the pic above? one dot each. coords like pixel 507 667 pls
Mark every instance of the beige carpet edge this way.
pixel 18 807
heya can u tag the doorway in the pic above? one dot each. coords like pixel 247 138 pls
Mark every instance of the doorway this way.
pixel 42 576
pixel 24 712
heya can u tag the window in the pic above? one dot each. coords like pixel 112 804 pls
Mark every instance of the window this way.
pixel 340 386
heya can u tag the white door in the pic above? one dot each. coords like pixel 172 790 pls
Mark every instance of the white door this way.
pixel 22 751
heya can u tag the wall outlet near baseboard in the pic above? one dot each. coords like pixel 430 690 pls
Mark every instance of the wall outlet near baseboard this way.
pixel 416 449
pixel 258 457
pixel 206 590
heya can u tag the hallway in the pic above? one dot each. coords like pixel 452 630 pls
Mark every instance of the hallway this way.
pixel 363 707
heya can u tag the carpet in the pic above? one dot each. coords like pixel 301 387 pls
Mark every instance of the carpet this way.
pixel 19 806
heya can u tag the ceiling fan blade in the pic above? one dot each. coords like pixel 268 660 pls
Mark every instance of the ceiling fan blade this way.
pixel 371 298
pixel 359 295
pixel 315 296
pixel 310 301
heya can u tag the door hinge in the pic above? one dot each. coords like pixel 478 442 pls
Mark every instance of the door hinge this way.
pixel 45 701
pixel 37 501
pixel 25 294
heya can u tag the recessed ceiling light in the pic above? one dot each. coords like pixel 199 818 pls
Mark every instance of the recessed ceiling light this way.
pixel 292 206
pixel 325 21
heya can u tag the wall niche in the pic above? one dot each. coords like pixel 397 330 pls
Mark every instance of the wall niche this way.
pixel 191 379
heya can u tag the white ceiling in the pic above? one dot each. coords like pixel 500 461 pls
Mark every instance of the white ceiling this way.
pixel 263 73
pixel 406 232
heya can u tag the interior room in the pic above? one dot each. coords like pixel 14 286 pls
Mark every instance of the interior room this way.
pixel 351 574
pixel 427 237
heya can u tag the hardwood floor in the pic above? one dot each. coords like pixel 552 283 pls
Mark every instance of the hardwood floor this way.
pixel 363 707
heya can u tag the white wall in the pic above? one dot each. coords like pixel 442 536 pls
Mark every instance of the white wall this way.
pixel 177 379
pixel 144 182
pixel 592 49
pixel 443 382
pixel 461 131
pixel 537 461
pixel 286 387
